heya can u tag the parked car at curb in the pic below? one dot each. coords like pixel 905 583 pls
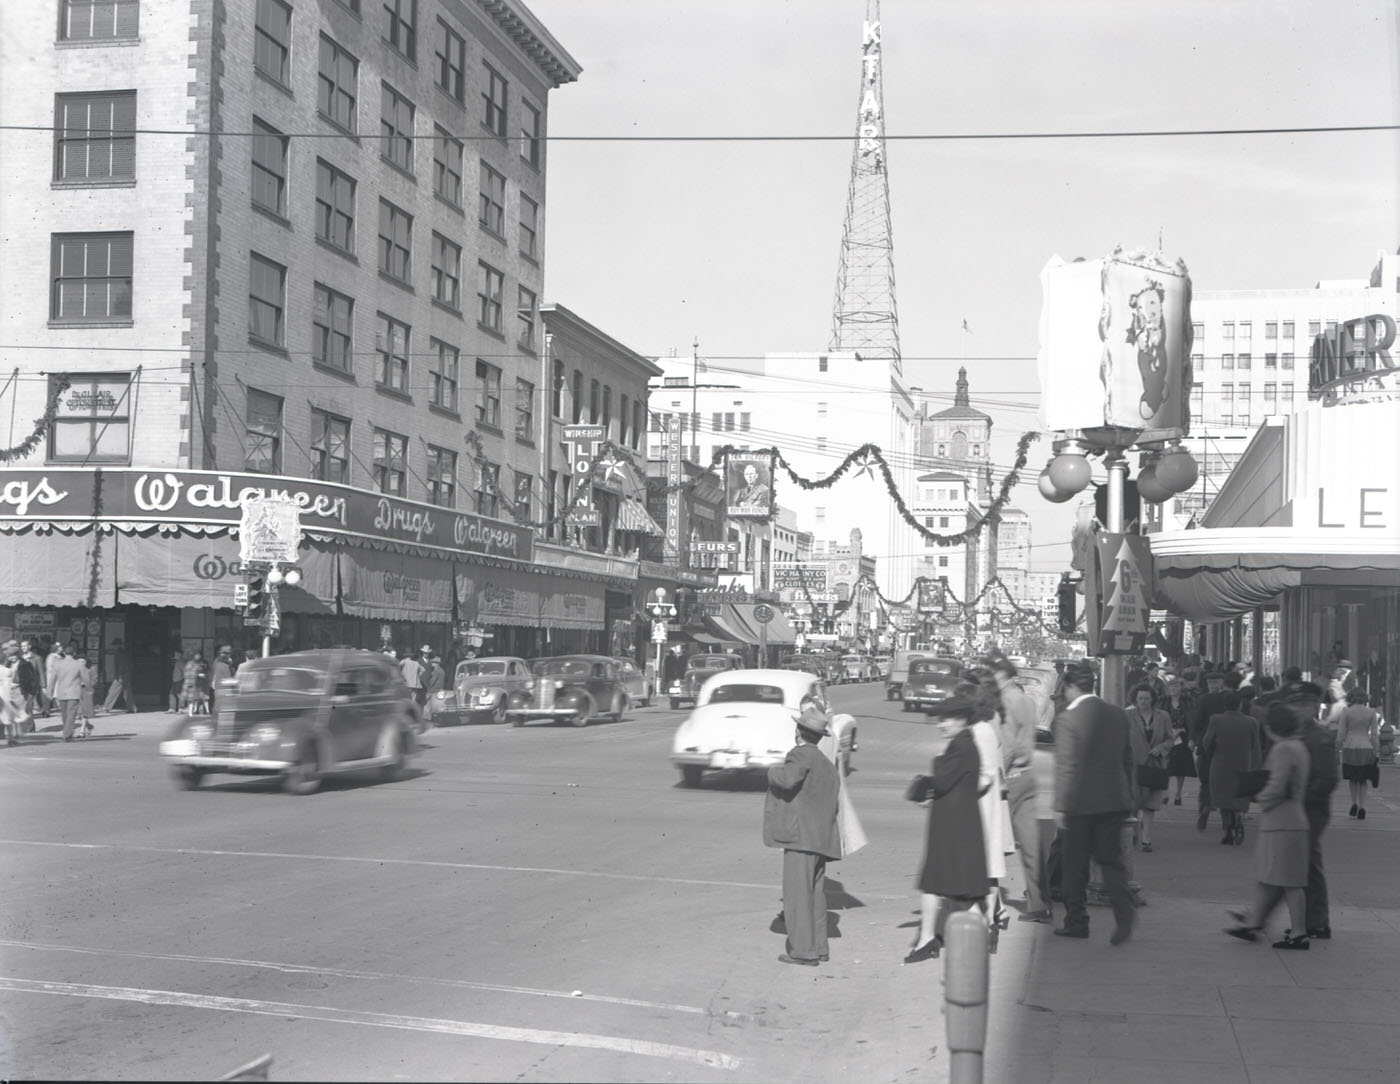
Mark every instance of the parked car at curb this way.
pixel 929 681
pixel 746 719
pixel 637 683
pixel 573 689
pixel 807 664
pixel 698 670
pixel 303 716
pixel 480 689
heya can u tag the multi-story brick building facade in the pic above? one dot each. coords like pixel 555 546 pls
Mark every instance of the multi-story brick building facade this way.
pixel 299 247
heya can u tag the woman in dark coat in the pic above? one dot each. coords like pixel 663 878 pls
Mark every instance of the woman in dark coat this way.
pixel 954 874
pixel 1232 744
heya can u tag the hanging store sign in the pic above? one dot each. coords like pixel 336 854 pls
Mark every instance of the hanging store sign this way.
pixel 135 499
pixel 583 441
pixel 675 476
pixel 1125 567
pixel 798 574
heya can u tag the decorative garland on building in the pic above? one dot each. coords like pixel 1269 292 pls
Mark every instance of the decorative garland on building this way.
pixel 25 448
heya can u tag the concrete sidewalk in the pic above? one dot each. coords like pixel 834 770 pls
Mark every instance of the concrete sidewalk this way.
pixel 1184 1003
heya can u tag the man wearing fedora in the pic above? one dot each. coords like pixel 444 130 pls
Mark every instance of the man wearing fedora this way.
pixel 799 815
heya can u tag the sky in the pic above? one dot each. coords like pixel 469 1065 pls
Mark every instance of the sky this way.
pixel 735 243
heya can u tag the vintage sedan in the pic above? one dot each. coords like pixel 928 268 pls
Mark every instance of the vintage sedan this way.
pixel 698 670
pixel 745 720
pixel 570 688
pixel 480 689
pixel 930 680
pixel 815 665
pixel 303 717
pixel 855 669
pixel 637 682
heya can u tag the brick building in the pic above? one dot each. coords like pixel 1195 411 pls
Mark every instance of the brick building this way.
pixel 295 247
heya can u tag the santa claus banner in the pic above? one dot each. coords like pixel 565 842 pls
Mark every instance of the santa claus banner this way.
pixel 1115 345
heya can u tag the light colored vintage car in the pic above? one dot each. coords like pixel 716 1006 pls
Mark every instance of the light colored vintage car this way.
pixel 479 692
pixel 745 720
pixel 856 668
pixel 302 717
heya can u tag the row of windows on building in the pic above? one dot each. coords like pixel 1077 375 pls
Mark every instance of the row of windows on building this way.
pixel 1242 331
pixel 337 95
pixel 92 426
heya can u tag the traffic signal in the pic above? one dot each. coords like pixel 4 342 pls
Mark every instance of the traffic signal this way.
pixel 1068 604
pixel 257 597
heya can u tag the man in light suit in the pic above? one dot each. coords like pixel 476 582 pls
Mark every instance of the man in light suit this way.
pixel 1094 781
pixel 799 815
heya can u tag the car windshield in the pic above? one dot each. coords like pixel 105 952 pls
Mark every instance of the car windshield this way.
pixel 747 694
pixel 282 679
pixel 709 662
pixel 480 669
pixel 933 666
pixel 561 667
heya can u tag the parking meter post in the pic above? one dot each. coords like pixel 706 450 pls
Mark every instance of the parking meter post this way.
pixel 965 995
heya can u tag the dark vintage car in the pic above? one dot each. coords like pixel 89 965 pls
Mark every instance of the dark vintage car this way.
pixel 570 688
pixel 698 670
pixel 303 717
pixel 816 665
pixel 479 692
pixel 929 680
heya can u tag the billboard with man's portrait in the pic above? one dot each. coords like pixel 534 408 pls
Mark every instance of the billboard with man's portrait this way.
pixel 748 478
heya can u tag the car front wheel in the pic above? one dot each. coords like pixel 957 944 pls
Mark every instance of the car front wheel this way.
pixel 498 713
pixel 187 778
pixel 619 707
pixel 302 777
pixel 675 704
pixel 583 714
pixel 691 774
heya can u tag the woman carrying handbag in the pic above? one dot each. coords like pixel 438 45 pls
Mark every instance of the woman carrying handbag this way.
pixel 1152 742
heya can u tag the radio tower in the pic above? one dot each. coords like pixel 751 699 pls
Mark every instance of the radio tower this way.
pixel 864 317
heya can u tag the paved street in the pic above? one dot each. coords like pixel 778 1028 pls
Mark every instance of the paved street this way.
pixel 548 904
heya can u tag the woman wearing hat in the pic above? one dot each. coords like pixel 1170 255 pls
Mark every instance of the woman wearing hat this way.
pixel 1281 853
pixel 954 873
pixel 1359 739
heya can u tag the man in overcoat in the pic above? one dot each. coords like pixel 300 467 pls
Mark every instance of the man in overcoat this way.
pixel 1094 781
pixel 799 815
pixel 1304 699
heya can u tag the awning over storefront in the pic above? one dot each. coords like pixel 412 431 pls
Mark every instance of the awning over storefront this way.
pixel 1219 573
pixel 572 604
pixel 58 569
pixel 735 621
pixel 189 570
pixel 395 586
pixel 632 516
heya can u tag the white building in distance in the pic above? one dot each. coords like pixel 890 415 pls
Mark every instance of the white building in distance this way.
pixel 815 409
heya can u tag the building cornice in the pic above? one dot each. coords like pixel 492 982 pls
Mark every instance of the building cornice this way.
pixel 529 35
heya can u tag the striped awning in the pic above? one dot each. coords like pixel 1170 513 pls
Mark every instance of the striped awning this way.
pixel 632 516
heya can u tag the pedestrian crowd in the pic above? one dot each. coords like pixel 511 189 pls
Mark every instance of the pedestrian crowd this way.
pixel 1252 741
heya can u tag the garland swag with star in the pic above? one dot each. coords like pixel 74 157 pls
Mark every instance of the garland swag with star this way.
pixel 865 460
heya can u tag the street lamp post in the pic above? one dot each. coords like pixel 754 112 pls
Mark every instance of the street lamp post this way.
pixel 661 610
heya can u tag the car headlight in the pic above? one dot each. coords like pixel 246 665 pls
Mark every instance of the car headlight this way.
pixel 199 731
pixel 264 733
pixel 486 695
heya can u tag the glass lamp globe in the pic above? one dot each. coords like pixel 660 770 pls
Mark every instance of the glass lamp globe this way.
pixel 274 575
pixel 1069 473
pixel 1150 487
pixel 292 578
pixel 1177 470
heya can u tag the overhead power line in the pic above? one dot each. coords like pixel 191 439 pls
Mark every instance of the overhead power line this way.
pixel 927 137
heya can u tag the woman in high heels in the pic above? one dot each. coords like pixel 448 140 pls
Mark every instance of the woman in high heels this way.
pixel 1281 852
pixel 954 873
